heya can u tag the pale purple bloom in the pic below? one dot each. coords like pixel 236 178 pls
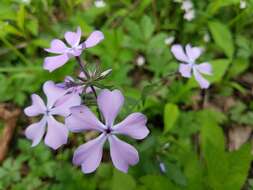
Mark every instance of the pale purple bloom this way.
pixel 187 5
pixel 99 3
pixel 73 49
pixel 189 15
pixel 57 133
pixel 189 66
pixel 123 155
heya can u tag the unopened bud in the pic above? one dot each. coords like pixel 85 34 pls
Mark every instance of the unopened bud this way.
pixel 105 73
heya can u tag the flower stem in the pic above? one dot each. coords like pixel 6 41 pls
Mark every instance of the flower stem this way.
pixel 81 64
pixel 87 75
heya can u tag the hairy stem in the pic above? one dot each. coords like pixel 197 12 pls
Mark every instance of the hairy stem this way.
pixel 81 64
pixel 87 75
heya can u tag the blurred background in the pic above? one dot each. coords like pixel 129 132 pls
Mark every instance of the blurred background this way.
pixel 198 141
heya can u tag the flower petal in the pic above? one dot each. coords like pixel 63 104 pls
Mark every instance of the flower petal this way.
pixel 123 155
pixel 57 133
pixel 63 105
pixel 134 126
pixel 89 155
pixel 73 38
pixel 193 52
pixel 202 81
pixel 56 46
pixel 204 68
pixel 82 119
pixel 110 103
pixel 185 70
pixel 54 62
pixel 94 38
pixel 38 107
pixel 53 93
pixel 36 131
pixel 179 53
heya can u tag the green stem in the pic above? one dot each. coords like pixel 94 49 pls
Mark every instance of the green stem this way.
pixel 15 50
pixel 86 73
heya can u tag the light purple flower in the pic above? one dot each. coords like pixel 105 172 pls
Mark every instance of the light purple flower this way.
pixel 123 155
pixel 57 133
pixel 75 48
pixel 189 66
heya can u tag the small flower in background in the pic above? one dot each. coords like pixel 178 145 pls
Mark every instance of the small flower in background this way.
pixel 123 155
pixel 189 66
pixel 166 145
pixel 187 6
pixel 26 1
pixel 189 15
pixel 169 40
pixel 65 53
pixel 162 167
pixel 99 3
pixel 140 61
pixel 206 37
pixel 57 133
pixel 243 4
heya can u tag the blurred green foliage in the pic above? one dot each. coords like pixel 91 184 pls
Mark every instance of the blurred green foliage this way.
pixel 187 147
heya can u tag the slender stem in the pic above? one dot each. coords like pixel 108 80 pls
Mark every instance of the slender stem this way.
pixel 15 50
pixel 81 64
pixel 165 77
pixel 203 98
pixel 94 91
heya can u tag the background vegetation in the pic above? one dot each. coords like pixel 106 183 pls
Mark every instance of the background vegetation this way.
pixel 197 141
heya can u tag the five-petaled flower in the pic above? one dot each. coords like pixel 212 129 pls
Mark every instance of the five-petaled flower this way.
pixel 73 39
pixel 123 155
pixel 57 133
pixel 189 66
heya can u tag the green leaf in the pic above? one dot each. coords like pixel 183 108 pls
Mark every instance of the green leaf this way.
pixel 222 37
pixel 238 66
pixel 239 165
pixel 219 69
pixel 133 29
pixel 156 182
pixel 147 27
pixel 175 174
pixel 21 17
pixel 211 132
pixel 192 170
pixel 171 113
pixel 147 90
pixel 122 181
pixel 33 26
pixel 217 166
pixel 215 5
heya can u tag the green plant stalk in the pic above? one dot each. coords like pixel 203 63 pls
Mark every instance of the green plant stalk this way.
pixel 15 50
pixel 87 75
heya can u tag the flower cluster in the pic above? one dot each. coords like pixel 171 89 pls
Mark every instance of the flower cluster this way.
pixel 187 6
pixel 64 103
pixel 65 111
